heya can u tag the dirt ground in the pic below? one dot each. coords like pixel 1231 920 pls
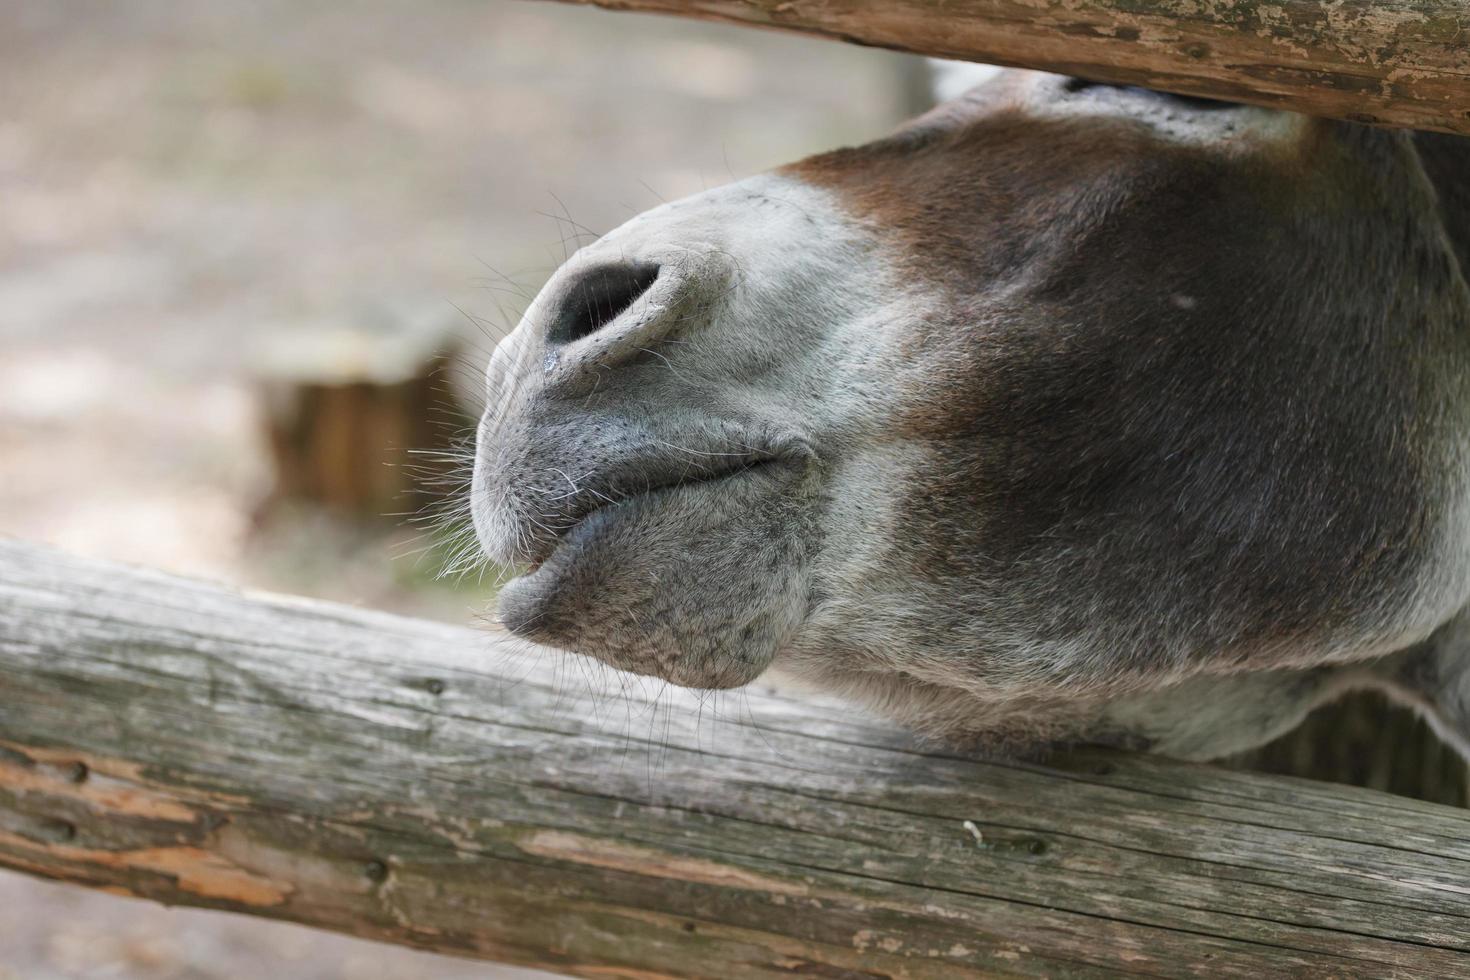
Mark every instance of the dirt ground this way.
pixel 185 187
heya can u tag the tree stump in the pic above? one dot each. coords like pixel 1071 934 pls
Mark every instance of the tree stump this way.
pixel 361 418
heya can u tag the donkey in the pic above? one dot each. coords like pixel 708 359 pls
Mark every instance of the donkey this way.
pixel 1066 413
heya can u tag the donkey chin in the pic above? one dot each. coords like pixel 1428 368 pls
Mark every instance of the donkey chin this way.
pixel 1065 413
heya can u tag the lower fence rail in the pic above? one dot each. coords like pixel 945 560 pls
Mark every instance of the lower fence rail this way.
pixel 459 791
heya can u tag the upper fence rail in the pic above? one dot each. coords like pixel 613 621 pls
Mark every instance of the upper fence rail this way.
pixel 1386 62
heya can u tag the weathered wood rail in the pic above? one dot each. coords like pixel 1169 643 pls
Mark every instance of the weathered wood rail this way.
pixel 415 783
pixel 1388 62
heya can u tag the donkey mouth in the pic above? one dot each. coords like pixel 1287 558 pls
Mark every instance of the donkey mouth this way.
pixel 593 512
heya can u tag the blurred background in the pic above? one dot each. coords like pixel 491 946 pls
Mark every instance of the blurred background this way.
pixel 250 253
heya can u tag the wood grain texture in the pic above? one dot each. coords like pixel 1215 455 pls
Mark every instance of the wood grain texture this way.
pixel 421 784
pixel 1387 62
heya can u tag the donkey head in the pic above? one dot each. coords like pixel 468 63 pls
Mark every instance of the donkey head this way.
pixel 1066 412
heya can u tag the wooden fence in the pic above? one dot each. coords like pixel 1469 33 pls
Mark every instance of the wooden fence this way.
pixel 1388 62
pixel 448 789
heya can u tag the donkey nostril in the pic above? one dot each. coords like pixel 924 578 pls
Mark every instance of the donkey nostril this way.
pixel 597 298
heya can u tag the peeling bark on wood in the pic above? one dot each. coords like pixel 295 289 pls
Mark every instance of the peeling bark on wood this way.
pixel 419 784
pixel 1387 62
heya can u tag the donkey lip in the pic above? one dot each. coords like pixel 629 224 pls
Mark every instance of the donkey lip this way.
pixel 577 522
